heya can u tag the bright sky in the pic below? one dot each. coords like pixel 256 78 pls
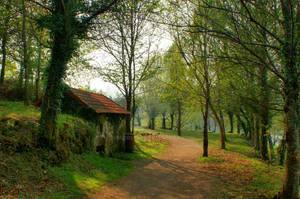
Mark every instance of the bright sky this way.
pixel 98 57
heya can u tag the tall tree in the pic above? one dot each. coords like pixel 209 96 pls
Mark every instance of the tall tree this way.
pixel 25 59
pixel 197 50
pixel 5 19
pixel 128 40
pixel 68 21
pixel 273 25
pixel 172 85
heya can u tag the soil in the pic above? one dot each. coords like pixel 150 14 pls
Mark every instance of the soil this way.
pixel 175 174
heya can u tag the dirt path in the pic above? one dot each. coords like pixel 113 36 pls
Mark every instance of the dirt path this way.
pixel 176 174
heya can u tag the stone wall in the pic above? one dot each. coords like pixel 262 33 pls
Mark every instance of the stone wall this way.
pixel 110 134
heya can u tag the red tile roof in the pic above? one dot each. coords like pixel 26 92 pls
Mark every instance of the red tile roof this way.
pixel 99 103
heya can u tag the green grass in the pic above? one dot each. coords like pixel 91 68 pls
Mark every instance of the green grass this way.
pixel 85 173
pixel 11 107
pixel 18 109
pixel 244 176
pixel 65 118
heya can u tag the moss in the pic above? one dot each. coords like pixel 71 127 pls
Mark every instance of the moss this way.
pixel 75 136
pixel 115 120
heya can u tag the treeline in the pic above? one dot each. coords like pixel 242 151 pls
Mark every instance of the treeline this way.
pixel 239 59
pixel 24 49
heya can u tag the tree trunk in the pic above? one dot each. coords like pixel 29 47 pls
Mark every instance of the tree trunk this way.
pixel 129 139
pixel 252 127
pixel 263 142
pixel 281 150
pixel 163 121
pixel 219 118
pixel 238 124
pixel 25 56
pixel 244 127
pixel 38 74
pixel 172 121
pixel 207 103
pixel 62 49
pixel 3 47
pixel 223 131
pixel 264 112
pixel 208 124
pixel 230 116
pixel 153 123
pixel 133 113
pixel 53 93
pixel 291 101
pixel 21 76
pixel 179 118
pixel 205 130
pixel 4 43
pixel 291 180
pixel 221 126
pixel 257 133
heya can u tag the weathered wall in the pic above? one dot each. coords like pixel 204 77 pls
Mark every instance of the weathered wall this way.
pixel 110 134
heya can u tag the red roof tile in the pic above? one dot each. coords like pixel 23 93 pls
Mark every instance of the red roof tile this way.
pixel 99 103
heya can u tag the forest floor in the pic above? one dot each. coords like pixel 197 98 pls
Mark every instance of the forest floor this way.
pixel 175 174
pixel 182 172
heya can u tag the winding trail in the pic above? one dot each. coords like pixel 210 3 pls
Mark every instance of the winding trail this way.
pixel 175 174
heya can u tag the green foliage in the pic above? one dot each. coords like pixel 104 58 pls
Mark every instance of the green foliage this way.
pixel 11 107
pixel 75 136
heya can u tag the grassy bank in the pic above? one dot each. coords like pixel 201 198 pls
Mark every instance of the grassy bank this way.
pixel 244 176
pixel 24 173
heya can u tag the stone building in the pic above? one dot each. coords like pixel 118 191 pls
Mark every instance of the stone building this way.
pixel 108 117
